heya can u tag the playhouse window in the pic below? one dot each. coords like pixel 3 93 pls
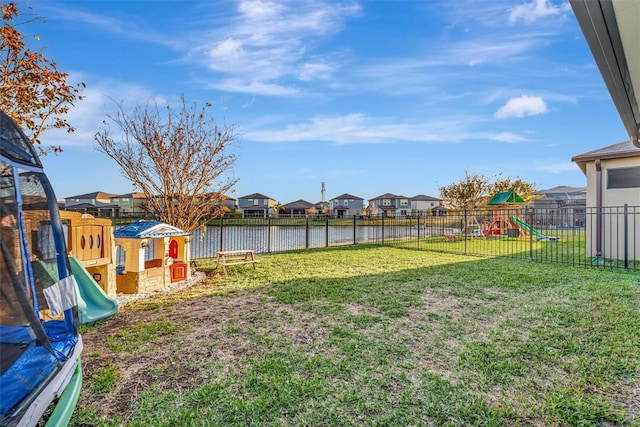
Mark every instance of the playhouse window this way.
pixel 623 177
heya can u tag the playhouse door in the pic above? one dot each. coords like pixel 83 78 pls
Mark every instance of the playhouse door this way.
pixel 173 249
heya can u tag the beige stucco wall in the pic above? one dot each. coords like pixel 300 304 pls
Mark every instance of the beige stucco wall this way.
pixel 613 201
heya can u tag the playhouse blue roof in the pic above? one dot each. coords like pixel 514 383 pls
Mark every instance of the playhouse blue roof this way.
pixel 144 229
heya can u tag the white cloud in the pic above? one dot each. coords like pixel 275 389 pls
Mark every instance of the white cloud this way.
pixel 358 128
pixel 536 9
pixel 315 71
pixel 509 137
pixel 269 42
pixel 525 105
pixel 253 87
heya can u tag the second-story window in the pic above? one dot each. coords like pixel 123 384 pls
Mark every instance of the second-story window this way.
pixel 404 202
pixel 345 202
pixel 264 202
pixel 386 202
pixel 250 200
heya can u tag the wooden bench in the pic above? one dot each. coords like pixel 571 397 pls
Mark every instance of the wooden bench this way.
pixel 242 256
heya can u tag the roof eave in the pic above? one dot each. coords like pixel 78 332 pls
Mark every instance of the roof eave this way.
pixel 602 32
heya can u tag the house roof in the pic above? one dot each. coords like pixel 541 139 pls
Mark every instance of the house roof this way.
pixel 562 189
pixel 616 151
pixel 255 196
pixel 390 196
pixel 298 204
pixel 347 196
pixel 129 196
pixel 148 229
pixel 94 195
pixel 425 198
pixel 505 197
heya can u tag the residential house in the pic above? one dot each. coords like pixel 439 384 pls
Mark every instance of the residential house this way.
pixel 346 205
pixel 423 204
pixel 256 205
pixel 97 203
pixel 299 208
pixel 130 204
pixel 561 206
pixel 227 204
pixel 613 181
pixel 389 205
pixel 322 208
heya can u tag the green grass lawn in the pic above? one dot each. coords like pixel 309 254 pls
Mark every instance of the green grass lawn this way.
pixel 374 336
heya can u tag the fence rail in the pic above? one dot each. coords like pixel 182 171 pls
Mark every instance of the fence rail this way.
pixel 603 237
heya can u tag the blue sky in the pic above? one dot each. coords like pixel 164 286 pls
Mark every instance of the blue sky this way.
pixel 370 97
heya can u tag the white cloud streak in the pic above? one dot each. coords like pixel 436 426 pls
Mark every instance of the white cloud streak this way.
pixel 359 128
pixel 267 45
pixel 537 9
pixel 522 106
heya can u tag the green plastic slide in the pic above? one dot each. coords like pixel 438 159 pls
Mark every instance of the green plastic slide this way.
pixel 526 227
pixel 93 303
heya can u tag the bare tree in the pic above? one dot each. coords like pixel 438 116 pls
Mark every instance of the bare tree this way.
pixel 32 90
pixel 178 159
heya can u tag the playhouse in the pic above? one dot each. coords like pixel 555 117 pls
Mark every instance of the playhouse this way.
pixel 90 241
pixel 150 256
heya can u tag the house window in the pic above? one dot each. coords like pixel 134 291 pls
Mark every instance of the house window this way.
pixel 386 202
pixel 264 202
pixel 403 212
pixel 404 202
pixel 250 200
pixel 623 177
pixel 345 202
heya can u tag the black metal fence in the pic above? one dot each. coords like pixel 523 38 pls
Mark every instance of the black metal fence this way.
pixel 606 237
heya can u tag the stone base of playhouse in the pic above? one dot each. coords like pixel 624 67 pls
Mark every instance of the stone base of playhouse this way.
pixel 151 279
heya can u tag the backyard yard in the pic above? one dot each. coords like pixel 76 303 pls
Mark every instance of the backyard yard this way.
pixel 370 335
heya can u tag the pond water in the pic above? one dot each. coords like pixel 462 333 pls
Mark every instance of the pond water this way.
pixel 206 242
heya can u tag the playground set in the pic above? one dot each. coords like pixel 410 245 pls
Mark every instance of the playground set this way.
pixel 504 210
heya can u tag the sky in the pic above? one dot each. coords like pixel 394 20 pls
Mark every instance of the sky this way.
pixel 369 96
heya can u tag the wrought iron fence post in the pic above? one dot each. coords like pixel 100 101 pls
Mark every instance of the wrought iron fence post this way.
pixel 531 223
pixel 326 230
pixel 354 230
pixel 626 237
pixel 268 234
pixel 464 231
pixel 306 242
pixel 418 221
pixel 382 216
pixel 221 232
